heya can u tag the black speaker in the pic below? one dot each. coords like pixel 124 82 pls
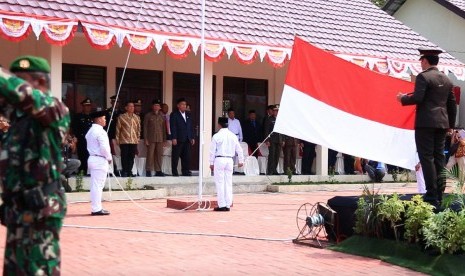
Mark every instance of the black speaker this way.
pixel 345 206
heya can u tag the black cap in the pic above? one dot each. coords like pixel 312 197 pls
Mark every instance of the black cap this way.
pixel 113 97
pixel 222 120
pixel 181 100
pixel 251 111
pixel 428 52
pixel 86 101
pixel 271 106
pixel 276 107
pixel 138 102
pixel 156 102
pixel 97 114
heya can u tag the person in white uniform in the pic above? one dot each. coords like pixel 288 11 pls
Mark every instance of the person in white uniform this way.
pixel 225 145
pixel 98 147
pixel 234 125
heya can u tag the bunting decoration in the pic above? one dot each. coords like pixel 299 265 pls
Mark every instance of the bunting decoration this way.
pixel 61 31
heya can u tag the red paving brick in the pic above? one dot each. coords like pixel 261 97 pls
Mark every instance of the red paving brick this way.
pixel 116 252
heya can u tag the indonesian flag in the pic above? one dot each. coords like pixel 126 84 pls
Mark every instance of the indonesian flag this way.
pixel 337 104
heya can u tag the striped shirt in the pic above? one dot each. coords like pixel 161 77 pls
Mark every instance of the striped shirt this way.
pixel 128 129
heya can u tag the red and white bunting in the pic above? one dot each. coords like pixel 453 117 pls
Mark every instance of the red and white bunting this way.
pixel 59 33
pixel 141 44
pixel 382 67
pixel 214 51
pixel 14 29
pixel 98 36
pixel 178 48
pixel 277 58
pixel 245 54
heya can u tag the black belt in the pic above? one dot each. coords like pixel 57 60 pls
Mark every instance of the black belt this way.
pixel 224 156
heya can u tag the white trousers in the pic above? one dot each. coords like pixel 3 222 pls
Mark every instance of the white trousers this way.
pixel 223 171
pixel 420 181
pixel 98 168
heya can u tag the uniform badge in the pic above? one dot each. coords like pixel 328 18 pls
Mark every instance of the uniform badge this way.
pixel 24 63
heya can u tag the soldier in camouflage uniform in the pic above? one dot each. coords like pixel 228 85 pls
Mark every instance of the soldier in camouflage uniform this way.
pixel 34 203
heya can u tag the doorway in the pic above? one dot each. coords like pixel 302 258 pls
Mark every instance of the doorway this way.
pixel 186 85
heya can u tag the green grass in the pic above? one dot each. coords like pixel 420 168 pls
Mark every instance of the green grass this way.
pixel 403 254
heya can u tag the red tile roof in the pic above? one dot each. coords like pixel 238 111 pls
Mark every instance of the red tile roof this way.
pixel 347 26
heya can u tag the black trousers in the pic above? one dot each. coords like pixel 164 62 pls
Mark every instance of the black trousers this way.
pixel 308 155
pixel 430 146
pixel 83 154
pixel 183 150
pixel 128 152
pixel 273 158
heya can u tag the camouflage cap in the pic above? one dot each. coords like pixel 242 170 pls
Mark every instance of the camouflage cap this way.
pixel 30 64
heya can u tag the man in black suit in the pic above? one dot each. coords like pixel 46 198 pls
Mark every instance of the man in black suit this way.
pixel 435 114
pixel 252 131
pixel 274 143
pixel 182 134
pixel 308 155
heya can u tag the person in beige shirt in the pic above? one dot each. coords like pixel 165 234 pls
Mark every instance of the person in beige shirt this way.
pixel 127 137
pixel 154 137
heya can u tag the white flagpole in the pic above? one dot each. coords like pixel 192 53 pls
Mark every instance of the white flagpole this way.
pixel 202 79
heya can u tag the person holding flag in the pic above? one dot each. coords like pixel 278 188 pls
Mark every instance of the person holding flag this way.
pixel 435 114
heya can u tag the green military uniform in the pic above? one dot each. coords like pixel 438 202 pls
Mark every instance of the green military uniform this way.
pixel 290 154
pixel 31 161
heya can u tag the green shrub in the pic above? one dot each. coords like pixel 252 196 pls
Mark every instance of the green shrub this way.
pixel 446 231
pixel 417 212
pixel 390 209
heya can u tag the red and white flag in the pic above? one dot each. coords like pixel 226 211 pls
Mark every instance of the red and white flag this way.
pixel 337 104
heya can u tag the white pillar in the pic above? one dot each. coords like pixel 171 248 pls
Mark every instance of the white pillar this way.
pixel 56 60
pixel 321 160
pixel 168 82
pixel 208 116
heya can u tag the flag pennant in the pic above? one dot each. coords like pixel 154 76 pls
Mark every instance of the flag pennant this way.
pixel 337 104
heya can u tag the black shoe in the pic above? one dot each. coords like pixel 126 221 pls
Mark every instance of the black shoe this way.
pixel 188 173
pixel 124 174
pixel 175 174
pixel 221 209
pixel 148 173
pixel 100 213
pixel 159 174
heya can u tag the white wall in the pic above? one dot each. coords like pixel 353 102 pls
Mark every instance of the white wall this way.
pixel 440 26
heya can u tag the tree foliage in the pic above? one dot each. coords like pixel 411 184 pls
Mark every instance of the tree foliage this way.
pixel 379 3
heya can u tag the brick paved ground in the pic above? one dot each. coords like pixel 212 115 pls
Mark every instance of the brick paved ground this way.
pixel 116 252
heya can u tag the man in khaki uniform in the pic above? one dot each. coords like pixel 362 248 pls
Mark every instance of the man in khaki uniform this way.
pixel 155 137
pixel 290 154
